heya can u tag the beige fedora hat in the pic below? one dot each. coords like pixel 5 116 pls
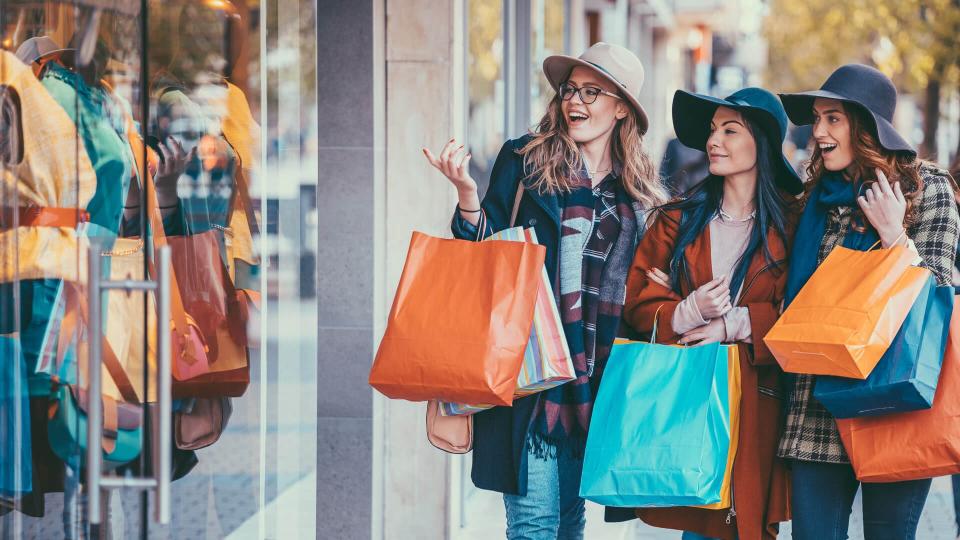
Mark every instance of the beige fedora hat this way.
pixel 612 62
pixel 38 47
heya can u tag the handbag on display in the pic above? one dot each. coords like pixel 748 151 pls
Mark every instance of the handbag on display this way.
pixel 201 423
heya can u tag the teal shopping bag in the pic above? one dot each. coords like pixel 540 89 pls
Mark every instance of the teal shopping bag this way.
pixel 16 462
pixel 661 430
pixel 906 377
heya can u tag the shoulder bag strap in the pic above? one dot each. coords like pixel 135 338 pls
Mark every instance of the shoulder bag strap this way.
pixel 178 312
pixel 516 204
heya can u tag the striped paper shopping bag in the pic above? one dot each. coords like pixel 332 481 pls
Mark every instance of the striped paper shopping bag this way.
pixel 546 362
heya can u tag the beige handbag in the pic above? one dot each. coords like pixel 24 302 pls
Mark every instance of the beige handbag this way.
pixel 452 434
pixel 201 425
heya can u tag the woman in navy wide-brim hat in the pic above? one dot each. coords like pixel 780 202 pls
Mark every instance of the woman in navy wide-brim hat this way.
pixel 866 184
pixel 714 266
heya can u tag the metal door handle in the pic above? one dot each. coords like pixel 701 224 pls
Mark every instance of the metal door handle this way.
pixel 163 457
pixel 94 395
pixel 96 482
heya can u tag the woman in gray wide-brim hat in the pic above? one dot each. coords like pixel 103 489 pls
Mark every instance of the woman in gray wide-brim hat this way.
pixel 865 184
pixel 584 183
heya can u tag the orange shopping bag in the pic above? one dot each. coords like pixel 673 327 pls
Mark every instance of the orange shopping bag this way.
pixel 912 445
pixel 847 314
pixel 460 321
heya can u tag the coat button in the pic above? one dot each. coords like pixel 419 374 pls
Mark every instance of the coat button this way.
pixel 532 222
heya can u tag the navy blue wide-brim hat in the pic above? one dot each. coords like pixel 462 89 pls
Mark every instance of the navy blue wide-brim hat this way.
pixel 692 114
pixel 863 86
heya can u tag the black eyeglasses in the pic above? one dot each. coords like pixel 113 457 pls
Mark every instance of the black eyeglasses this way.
pixel 588 94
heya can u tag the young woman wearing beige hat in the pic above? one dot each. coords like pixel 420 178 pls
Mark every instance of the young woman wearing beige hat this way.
pixel 585 183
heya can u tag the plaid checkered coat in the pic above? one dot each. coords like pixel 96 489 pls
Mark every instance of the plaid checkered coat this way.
pixel 811 433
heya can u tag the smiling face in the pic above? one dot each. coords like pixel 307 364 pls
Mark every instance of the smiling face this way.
pixel 587 122
pixel 730 147
pixel 831 131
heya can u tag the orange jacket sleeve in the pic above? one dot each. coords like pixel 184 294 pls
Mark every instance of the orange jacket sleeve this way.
pixel 762 317
pixel 645 297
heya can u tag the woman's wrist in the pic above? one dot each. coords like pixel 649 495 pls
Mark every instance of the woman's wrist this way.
pixel 468 200
pixel 467 194
pixel 893 237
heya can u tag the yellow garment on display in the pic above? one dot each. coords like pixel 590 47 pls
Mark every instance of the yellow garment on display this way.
pixel 243 134
pixel 126 339
pixel 54 172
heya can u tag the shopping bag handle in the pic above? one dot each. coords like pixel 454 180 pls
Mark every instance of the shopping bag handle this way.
pixel 895 242
pixel 656 320
pixel 155 218
pixel 481 225
pixel 516 204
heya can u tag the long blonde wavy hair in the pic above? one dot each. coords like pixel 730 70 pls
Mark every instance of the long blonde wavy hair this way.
pixel 552 158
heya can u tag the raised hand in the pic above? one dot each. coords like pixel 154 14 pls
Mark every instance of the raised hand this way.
pixel 457 170
pixel 885 207
pixel 453 165
pixel 174 162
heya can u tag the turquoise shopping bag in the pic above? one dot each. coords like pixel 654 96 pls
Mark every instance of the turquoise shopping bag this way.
pixel 661 431
pixel 16 464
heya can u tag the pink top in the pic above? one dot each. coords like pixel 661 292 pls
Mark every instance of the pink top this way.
pixel 728 240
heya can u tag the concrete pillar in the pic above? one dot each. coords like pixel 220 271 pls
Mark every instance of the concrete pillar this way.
pixel 345 259
pixel 422 69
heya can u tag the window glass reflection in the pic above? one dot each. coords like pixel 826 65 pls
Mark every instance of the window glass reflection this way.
pixel 126 141
pixel 547 38
pixel 485 87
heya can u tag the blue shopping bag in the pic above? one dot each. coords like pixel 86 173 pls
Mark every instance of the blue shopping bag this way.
pixel 660 434
pixel 16 470
pixel 906 377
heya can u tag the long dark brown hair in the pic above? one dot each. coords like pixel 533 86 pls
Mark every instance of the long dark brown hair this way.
pixel 868 156
pixel 553 160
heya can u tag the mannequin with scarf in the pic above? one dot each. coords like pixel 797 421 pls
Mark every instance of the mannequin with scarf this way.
pixel 866 185
pixel 587 184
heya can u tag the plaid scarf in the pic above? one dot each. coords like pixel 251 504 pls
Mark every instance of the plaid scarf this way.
pixel 599 234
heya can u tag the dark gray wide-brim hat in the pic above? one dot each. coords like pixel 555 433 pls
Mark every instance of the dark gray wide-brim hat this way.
pixel 692 114
pixel 864 87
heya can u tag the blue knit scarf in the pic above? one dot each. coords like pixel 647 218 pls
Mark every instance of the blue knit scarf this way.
pixel 832 191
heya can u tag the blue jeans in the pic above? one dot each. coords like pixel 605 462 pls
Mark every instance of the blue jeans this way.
pixel 822 500
pixel 689 535
pixel 552 508
pixel 956 500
